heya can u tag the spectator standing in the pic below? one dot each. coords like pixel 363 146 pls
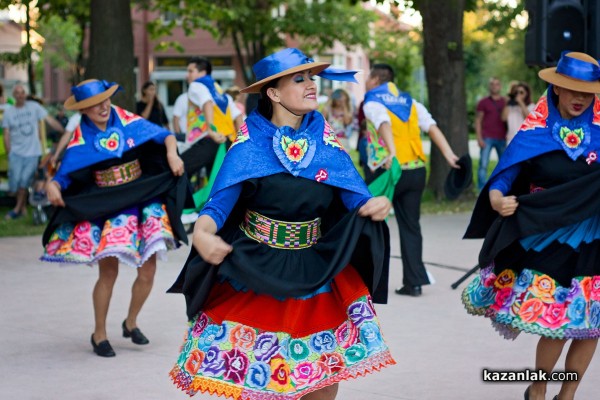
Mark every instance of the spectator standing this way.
pixel 490 128
pixel 517 108
pixel 238 98
pixel 23 145
pixel 340 116
pixel 150 107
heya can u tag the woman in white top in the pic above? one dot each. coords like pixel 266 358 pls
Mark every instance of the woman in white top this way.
pixel 517 108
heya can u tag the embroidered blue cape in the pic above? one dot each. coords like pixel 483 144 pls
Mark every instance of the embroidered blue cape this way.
pixel 311 152
pixel 399 103
pixel 219 98
pixel 90 145
pixel 544 130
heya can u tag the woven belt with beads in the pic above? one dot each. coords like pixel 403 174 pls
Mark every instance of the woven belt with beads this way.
pixel 281 234
pixel 119 174
pixel 413 164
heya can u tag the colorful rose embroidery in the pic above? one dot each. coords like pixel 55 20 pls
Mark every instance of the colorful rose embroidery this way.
pixel 236 365
pixel 596 120
pixel 242 336
pixel 259 374
pixel 280 375
pixel 330 138
pixel 571 138
pixel 294 149
pixel 242 135
pixel 543 288
pixel 536 303
pixel 278 365
pixel 193 362
pixel 111 143
pixel 537 118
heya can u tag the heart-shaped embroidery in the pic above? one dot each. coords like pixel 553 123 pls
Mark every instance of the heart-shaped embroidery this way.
pixel 573 141
pixel 110 142
pixel 294 150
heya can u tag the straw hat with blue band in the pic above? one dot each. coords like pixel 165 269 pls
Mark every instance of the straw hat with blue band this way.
pixel 574 71
pixel 89 93
pixel 289 61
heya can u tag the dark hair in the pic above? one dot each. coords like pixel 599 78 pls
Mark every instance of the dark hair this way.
pixel 264 107
pixel 147 85
pixel 525 86
pixel 202 64
pixel 384 72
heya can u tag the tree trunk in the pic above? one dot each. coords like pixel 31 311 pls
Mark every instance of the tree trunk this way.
pixel 445 74
pixel 30 71
pixel 111 48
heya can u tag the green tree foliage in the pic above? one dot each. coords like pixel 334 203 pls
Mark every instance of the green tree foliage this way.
pixel 258 27
pixel 402 51
pixel 62 37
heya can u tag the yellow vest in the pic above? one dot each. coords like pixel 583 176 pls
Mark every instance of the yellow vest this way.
pixel 222 122
pixel 407 137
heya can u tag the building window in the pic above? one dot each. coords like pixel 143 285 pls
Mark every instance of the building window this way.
pixel 169 17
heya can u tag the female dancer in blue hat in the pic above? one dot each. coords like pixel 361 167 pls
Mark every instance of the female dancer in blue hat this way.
pixel 289 255
pixel 541 257
pixel 119 193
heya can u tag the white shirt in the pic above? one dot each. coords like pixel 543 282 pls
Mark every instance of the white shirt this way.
pixel 73 123
pixel 377 114
pixel 199 94
pixel 180 110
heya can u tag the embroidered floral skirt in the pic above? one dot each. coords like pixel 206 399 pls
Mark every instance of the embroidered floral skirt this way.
pixel 133 235
pixel 253 346
pixel 533 302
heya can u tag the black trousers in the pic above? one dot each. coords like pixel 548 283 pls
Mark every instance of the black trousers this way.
pixel 201 154
pixel 407 207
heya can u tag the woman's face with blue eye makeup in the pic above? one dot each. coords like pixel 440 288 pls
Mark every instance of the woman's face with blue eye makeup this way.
pixel 296 92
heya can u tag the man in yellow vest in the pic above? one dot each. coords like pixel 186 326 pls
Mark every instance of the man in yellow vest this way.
pixel 212 117
pixel 397 120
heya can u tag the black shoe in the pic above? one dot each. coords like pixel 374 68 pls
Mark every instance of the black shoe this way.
pixel 527 393
pixel 103 349
pixel 135 334
pixel 414 291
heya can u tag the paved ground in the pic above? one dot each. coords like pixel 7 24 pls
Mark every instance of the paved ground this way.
pixel 46 322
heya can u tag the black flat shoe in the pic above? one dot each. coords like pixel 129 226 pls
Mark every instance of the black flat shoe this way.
pixel 103 349
pixel 414 291
pixel 135 334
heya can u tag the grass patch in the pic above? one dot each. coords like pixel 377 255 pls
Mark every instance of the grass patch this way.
pixel 23 226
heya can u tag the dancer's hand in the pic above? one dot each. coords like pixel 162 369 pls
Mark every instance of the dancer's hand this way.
pixel 211 247
pixel 175 163
pixel 54 194
pixel 377 208
pixel 217 137
pixel 504 205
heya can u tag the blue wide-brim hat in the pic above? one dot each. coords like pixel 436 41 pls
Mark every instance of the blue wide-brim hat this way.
pixel 574 71
pixel 89 93
pixel 284 62
pixel 289 61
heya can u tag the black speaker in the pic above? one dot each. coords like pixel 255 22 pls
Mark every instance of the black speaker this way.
pixel 593 31
pixel 555 26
